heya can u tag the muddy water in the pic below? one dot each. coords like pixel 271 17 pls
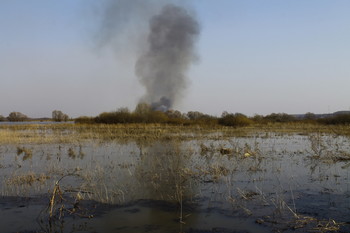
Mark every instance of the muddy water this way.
pixel 258 183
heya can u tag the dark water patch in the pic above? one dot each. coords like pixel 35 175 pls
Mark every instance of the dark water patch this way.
pixel 155 219
pixel 27 214
pixel 20 202
pixel 30 215
pixel 215 230
pixel 325 206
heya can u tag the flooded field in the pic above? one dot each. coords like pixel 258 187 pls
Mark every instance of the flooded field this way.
pixel 71 178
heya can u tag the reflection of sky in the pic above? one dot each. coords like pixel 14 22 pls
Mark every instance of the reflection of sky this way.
pixel 155 170
pixel 161 171
pixel 256 57
pixel 112 172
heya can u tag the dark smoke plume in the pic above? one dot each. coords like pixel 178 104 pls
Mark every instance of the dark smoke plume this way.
pixel 170 52
pixel 159 37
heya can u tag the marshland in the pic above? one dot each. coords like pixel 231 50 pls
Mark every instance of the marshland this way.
pixel 281 177
pixel 156 168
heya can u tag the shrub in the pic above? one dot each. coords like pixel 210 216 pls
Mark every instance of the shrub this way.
pixel 2 118
pixel 115 117
pixel 194 115
pixel 236 120
pixel 340 119
pixel 59 116
pixel 84 120
pixel 279 117
pixel 17 116
pixel 310 116
pixel 258 119
pixel 176 117
pixel 143 109
pixel 141 115
pixel 206 121
pixel 156 117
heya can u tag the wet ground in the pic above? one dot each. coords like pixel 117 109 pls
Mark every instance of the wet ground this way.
pixel 256 183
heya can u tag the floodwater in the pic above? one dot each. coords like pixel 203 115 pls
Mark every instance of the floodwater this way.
pixel 258 183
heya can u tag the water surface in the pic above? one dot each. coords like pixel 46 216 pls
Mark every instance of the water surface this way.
pixel 255 183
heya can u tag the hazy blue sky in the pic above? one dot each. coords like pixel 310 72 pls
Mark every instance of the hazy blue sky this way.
pixel 256 57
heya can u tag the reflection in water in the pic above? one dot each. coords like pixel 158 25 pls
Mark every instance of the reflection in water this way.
pixel 205 183
pixel 74 155
pixel 162 174
pixel 160 171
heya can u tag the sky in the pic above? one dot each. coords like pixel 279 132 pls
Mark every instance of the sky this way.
pixel 254 57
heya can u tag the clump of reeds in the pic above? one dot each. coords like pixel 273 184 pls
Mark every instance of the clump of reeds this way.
pixel 28 153
pixel 314 224
pixel 225 151
pixel 27 179
pixel 60 204
pixel 326 148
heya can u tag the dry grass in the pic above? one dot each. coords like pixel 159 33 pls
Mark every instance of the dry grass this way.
pixel 27 179
pixel 326 148
pixel 27 153
pixel 70 133
pixel 314 224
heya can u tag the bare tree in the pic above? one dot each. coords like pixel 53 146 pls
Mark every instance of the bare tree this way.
pixel 17 116
pixel 2 118
pixel 123 110
pixel 195 115
pixel 143 109
pixel 174 114
pixel 310 116
pixel 59 116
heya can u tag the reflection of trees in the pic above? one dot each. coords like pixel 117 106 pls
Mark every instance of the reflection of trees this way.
pixel 163 175
pixel 162 171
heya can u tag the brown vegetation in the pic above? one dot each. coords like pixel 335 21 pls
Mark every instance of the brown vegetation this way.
pixel 145 114
pixel 236 120
pixel 17 116
pixel 165 163
pixel 341 119
pixel 59 116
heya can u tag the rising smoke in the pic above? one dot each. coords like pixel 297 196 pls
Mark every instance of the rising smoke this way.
pixel 170 52
pixel 166 49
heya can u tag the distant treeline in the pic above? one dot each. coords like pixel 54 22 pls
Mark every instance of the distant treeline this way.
pixel 144 114
pixel 57 116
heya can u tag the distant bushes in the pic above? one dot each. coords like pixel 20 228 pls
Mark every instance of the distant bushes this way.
pixel 205 120
pixel 2 118
pixel 17 116
pixel 143 113
pixel 85 120
pixel 114 118
pixel 279 117
pixel 236 120
pixel 59 116
pixel 198 118
pixel 124 116
pixel 340 119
